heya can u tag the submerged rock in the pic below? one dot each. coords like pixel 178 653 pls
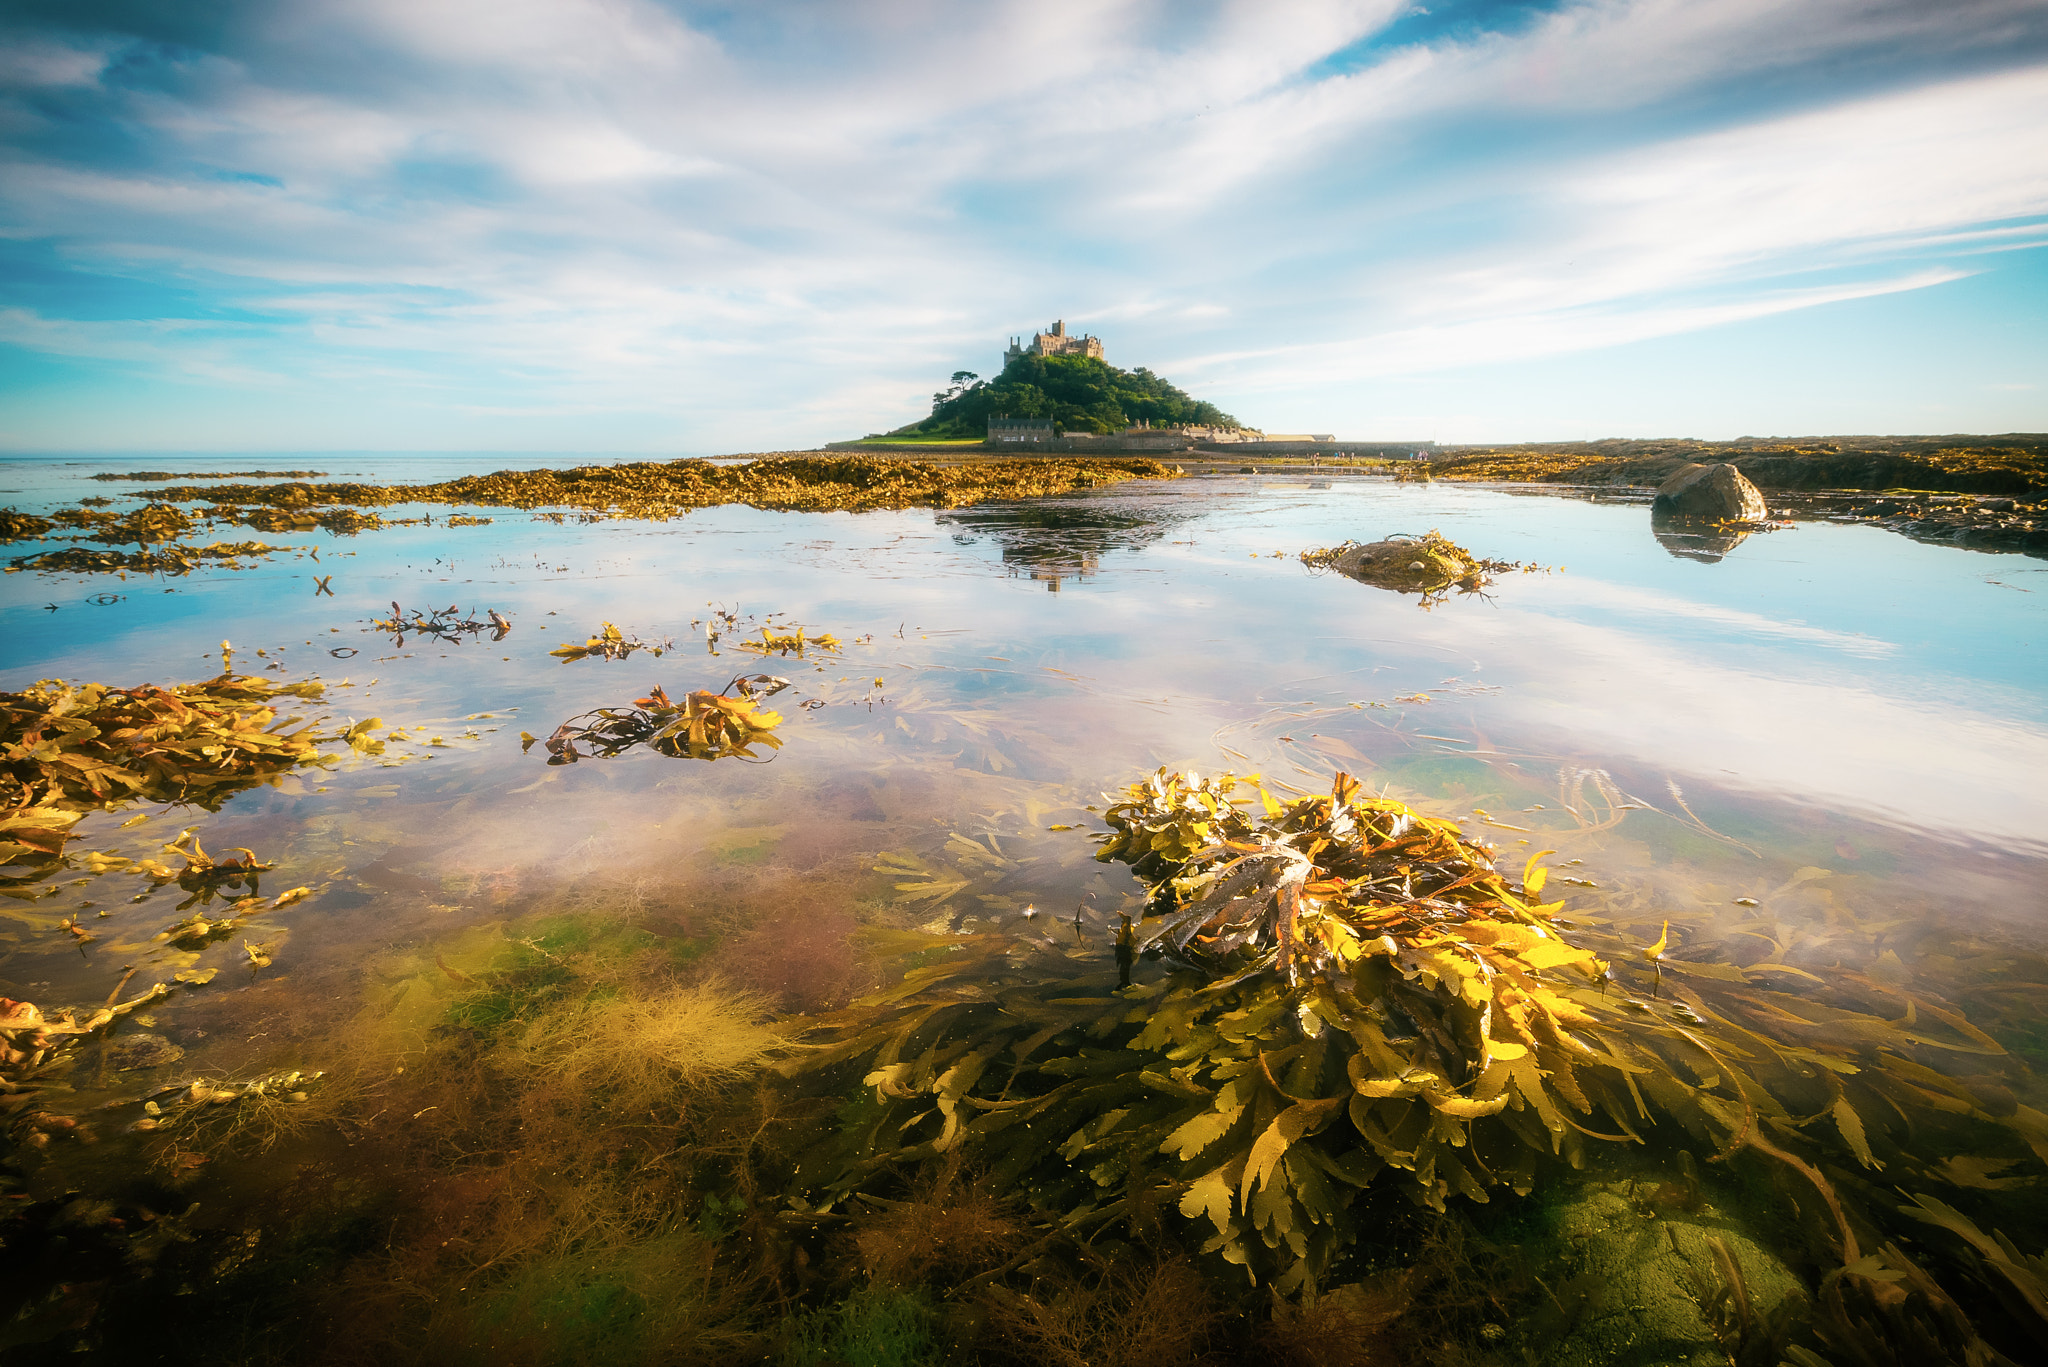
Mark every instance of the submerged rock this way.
pixel 1709 493
pixel 1406 564
pixel 128 1052
pixel 1666 1287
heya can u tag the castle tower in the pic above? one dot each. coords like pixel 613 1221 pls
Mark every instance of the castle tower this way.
pixel 1055 341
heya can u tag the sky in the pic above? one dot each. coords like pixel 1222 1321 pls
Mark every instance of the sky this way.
pixel 653 226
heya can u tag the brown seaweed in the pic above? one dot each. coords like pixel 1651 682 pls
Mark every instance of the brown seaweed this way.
pixel 703 725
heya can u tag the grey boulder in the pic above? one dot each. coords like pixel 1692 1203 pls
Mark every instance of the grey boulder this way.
pixel 1710 493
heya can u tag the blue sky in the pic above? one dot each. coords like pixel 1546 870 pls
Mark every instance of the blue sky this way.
pixel 622 225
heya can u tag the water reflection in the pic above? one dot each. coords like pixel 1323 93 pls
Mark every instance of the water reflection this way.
pixel 1060 539
pixel 1692 541
pixel 1817 761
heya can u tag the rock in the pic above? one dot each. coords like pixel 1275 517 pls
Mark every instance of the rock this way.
pixel 142 1051
pixel 1648 1288
pixel 1709 493
pixel 1406 564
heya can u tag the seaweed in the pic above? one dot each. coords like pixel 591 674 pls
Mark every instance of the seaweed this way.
pixel 1430 565
pixel 795 643
pixel 1337 991
pixel 704 725
pixel 658 490
pixel 70 749
pixel 20 526
pixel 611 644
pixel 444 624
pixel 174 559
pixel 34 1046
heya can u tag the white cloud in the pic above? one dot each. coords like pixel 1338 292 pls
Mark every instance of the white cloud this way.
pixel 598 202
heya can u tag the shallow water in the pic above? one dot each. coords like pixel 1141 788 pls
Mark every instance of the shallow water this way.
pixel 1846 726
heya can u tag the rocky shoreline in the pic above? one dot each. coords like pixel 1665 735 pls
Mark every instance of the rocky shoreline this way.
pixel 1975 492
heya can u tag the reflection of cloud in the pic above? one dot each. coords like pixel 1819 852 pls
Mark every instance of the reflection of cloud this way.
pixel 1624 598
pixel 1926 764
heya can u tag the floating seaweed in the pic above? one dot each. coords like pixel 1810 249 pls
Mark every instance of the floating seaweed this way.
pixel 1347 992
pixel 447 624
pixel 66 750
pixel 205 877
pixel 340 521
pixel 663 489
pixel 704 725
pixel 612 644
pixel 33 1046
pixel 173 559
pixel 1430 564
pixel 20 526
pixel 772 643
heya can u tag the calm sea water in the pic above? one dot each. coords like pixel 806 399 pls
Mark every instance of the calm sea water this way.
pixel 1844 725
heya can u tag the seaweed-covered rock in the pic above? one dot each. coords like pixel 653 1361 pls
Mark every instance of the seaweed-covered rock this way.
pixel 1709 493
pixel 1406 564
pixel 1681 1288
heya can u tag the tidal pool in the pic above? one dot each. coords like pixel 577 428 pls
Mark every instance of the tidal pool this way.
pixel 1812 761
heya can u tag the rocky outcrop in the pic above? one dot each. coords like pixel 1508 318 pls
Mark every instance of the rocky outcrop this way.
pixel 1708 493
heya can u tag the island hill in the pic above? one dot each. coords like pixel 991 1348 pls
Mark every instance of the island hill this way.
pixel 1058 392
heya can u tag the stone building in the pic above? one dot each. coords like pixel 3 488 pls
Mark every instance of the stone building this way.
pixel 1020 429
pixel 1055 342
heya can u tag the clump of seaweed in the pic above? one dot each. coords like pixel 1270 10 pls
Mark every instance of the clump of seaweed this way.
pixel 1348 992
pixel 33 1046
pixel 659 490
pixel 630 1054
pixel 69 749
pixel 447 624
pixel 1430 564
pixel 20 526
pixel 1153 1313
pixel 150 523
pixel 611 644
pixel 704 725
pixel 790 643
pixel 340 521
pixel 164 560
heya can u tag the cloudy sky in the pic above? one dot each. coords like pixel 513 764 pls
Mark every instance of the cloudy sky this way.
pixel 652 225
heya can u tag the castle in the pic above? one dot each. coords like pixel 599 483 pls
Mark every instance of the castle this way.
pixel 1055 342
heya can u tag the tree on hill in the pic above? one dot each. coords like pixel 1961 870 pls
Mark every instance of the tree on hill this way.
pixel 1079 394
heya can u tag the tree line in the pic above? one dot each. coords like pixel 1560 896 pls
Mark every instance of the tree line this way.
pixel 1079 394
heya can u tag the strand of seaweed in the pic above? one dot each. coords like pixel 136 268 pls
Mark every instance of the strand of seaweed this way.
pixel 1346 992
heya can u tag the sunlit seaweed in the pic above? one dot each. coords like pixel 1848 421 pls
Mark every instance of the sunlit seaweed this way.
pixel 66 750
pixel 1430 564
pixel 611 644
pixel 20 526
pixel 443 624
pixel 772 643
pixel 704 725
pixel 173 559
pixel 658 489
pixel 1351 992
pixel 33 1045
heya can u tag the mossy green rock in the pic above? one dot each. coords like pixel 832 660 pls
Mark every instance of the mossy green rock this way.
pixel 1637 1291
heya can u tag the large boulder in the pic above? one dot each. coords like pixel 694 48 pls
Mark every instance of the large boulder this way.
pixel 1709 493
pixel 1406 564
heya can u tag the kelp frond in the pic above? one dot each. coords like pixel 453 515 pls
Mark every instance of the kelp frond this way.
pixel 704 725
pixel 69 749
pixel 1341 991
